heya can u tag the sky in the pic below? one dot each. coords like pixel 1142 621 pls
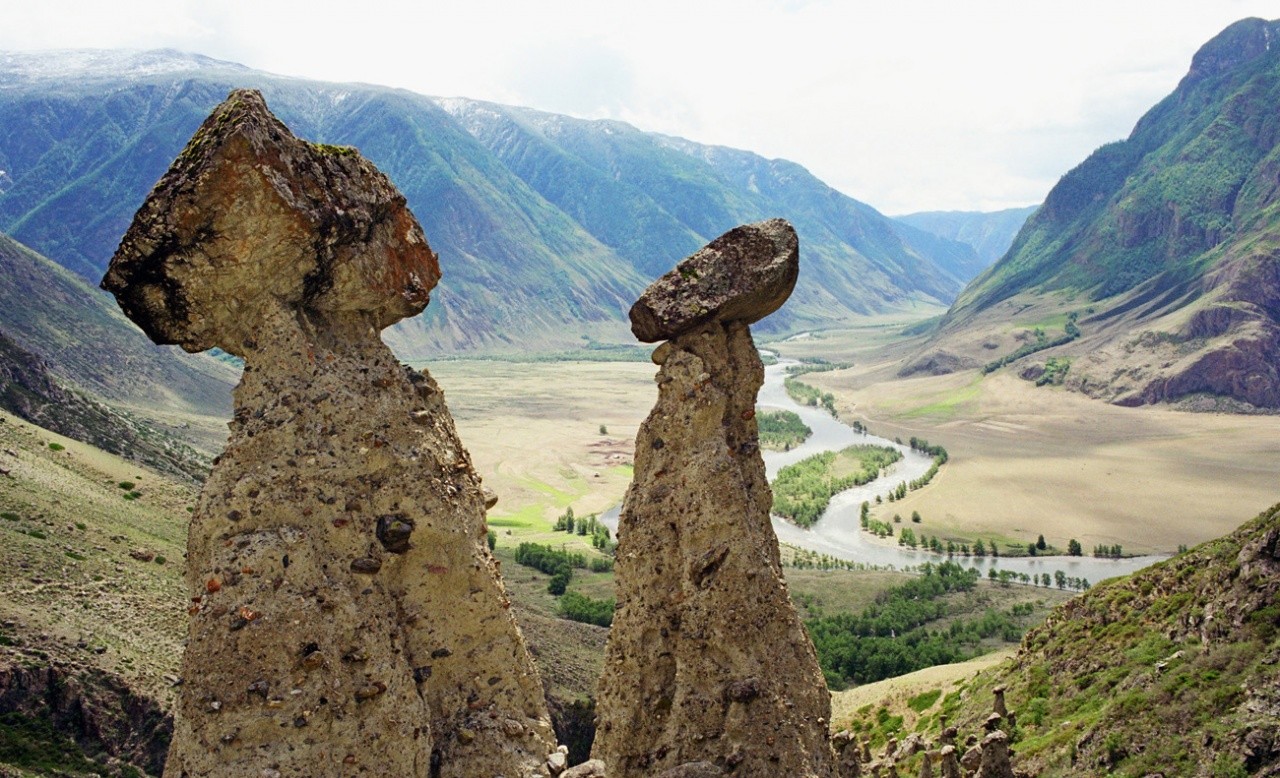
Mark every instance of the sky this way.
pixel 908 105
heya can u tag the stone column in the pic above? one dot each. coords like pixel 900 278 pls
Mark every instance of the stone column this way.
pixel 708 667
pixel 346 615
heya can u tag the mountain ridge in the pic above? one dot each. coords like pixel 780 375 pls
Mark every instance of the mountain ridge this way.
pixel 1164 246
pixel 520 270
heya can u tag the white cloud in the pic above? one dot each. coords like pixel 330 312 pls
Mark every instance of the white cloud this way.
pixel 919 104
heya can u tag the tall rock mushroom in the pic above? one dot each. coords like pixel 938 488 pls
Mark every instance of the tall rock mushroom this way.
pixel 346 615
pixel 708 668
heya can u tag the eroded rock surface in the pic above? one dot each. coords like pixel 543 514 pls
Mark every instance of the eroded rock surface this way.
pixel 708 667
pixel 346 616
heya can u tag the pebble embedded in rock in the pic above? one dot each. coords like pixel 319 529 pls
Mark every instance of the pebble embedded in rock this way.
pixel 394 531
pixel 366 565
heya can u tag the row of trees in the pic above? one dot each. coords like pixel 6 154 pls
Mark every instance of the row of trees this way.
pixel 588 610
pixel 1059 579
pixel 1069 333
pixel 600 536
pixel 557 563
pixel 893 635
pixel 809 395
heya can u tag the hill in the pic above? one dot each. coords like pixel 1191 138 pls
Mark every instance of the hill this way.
pixel 546 237
pixel 28 391
pixel 1163 246
pixel 73 363
pixel 990 233
pixel 1174 670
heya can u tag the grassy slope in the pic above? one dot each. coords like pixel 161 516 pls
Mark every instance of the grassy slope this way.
pixel 67 534
pixel 1175 670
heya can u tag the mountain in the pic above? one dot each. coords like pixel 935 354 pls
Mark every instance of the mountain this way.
pixel 548 227
pixel 990 233
pixel 1163 248
pixel 1174 670
pixel 655 199
pixel 85 343
pixel 28 391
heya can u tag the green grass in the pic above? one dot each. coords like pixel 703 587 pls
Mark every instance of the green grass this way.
pixel 951 405
pixel 34 744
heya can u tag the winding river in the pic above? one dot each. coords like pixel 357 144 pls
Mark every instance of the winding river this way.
pixel 839 532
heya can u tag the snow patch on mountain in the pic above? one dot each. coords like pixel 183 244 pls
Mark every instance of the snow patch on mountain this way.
pixel 29 67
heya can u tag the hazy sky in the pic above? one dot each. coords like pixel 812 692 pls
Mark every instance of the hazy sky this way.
pixel 905 104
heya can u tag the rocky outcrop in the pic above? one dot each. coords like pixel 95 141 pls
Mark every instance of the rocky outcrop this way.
pixel 708 669
pixel 346 615
pixel 95 709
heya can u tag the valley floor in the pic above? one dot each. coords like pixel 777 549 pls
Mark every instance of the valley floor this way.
pixel 1029 460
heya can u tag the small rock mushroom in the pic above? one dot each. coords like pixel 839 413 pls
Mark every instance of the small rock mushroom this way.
pixel 705 638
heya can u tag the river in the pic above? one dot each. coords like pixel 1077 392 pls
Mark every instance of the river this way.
pixel 839 532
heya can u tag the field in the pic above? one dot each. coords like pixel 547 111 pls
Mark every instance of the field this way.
pixel 534 433
pixel 1028 460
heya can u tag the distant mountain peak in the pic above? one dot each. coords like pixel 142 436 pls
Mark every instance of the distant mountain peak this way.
pixel 30 67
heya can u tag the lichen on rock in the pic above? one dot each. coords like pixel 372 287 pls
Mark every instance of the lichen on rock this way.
pixel 708 669
pixel 347 617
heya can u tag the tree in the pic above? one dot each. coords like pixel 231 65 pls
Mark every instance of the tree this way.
pixel 493 540
pixel 1040 544
pixel 1060 578
pixel 604 430
pixel 1073 548
pixel 995 552
pixel 559 583
pixel 1031 549
pixel 915 517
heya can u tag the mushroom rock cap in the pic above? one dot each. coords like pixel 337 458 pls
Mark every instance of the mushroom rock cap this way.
pixel 250 219
pixel 743 275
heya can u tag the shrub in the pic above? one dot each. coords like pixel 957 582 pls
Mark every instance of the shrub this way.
pixel 559 582
pixel 579 607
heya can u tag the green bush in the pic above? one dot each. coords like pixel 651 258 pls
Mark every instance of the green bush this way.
pixel 559 582
pixel 579 607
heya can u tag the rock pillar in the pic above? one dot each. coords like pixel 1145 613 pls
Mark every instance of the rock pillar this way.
pixel 708 668
pixel 346 616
